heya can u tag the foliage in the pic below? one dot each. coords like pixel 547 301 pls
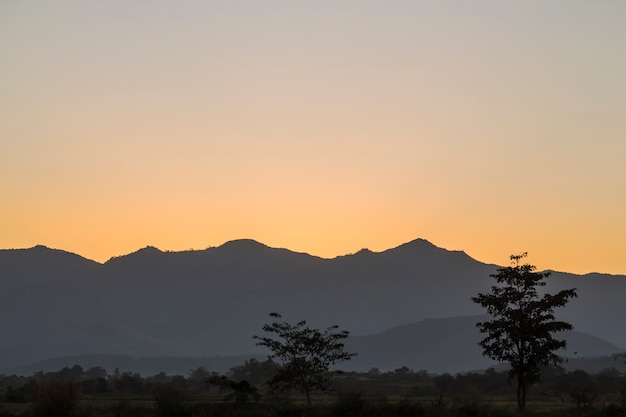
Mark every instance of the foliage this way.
pixel 255 372
pixel 306 354
pixel 349 404
pixel 400 393
pixel 579 385
pixel 128 382
pixel 521 332
pixel 199 377
pixel 56 397
pixel 239 392
pixel 170 402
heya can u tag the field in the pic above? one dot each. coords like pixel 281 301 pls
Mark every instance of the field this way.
pixel 346 404
pixel 399 393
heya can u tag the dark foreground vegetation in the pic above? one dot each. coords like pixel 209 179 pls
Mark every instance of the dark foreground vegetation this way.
pixel 75 392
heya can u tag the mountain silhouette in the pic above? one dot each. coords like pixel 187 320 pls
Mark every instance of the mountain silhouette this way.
pixel 436 345
pixel 153 303
pixel 448 345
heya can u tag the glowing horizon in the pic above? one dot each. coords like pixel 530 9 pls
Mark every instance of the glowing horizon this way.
pixel 319 127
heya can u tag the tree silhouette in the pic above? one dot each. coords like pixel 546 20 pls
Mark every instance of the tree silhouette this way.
pixel 521 332
pixel 240 392
pixel 305 354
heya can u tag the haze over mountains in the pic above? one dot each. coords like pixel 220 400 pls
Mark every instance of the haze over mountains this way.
pixel 210 302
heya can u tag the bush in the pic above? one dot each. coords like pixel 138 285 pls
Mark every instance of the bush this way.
pixel 56 397
pixel 125 408
pixel 170 402
pixel 349 404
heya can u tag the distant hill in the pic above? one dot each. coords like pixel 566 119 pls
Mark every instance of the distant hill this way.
pixel 436 345
pixel 145 366
pixel 210 302
pixel 448 345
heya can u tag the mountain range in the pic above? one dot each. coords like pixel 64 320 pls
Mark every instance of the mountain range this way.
pixel 208 303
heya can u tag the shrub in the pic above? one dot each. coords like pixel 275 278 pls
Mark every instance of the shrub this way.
pixel 56 397
pixel 170 402
pixel 349 404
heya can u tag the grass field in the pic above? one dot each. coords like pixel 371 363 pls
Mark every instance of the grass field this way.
pixel 348 404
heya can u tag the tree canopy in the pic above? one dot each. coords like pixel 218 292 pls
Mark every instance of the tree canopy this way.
pixel 306 354
pixel 523 324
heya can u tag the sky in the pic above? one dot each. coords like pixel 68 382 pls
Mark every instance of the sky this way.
pixel 320 126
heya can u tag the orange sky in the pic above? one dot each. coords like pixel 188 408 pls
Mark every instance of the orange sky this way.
pixel 323 127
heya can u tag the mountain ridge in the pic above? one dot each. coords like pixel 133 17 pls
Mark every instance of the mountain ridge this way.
pixel 239 244
pixel 252 243
pixel 210 302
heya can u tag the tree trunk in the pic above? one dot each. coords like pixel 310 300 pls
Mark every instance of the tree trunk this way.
pixel 521 392
pixel 308 395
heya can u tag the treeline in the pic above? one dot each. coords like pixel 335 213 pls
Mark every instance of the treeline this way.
pixel 402 387
pixel 577 387
pixel 96 380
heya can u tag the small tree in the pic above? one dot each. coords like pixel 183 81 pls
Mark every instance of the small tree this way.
pixel 240 392
pixel 305 354
pixel 521 332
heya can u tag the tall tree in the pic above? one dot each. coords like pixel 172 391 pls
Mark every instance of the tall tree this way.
pixel 305 354
pixel 521 332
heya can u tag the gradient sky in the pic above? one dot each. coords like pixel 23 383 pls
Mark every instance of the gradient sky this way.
pixel 321 126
